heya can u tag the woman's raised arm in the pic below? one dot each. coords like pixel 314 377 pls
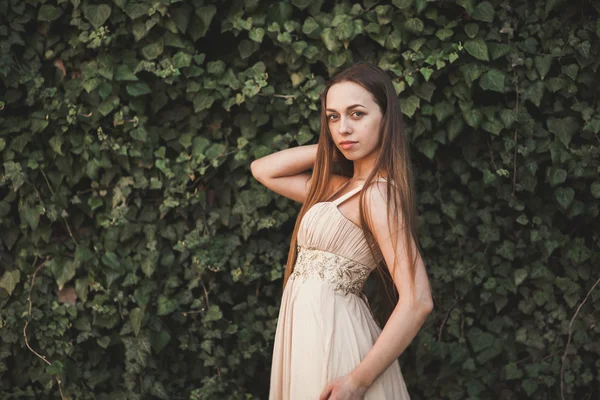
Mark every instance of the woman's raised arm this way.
pixel 286 171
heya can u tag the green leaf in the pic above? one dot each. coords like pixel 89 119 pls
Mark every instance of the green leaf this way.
pixel 301 4
pixel 478 49
pixel 136 10
pixel 385 14
pixel 330 40
pixel 125 73
pixel 530 386
pixel 471 30
pixel 595 189
pixel 159 340
pixel 473 118
pixel 444 34
pixel 471 72
pixel 479 340
pixel 563 128
pixel 520 275
pixel 556 175
pixel 138 89
pixel 165 305
pixel 304 135
pixel 493 80
pixel 564 196
pixel 494 126
pixel 442 110
pixel 428 147
pixel 414 25
pixel 402 4
pixel 455 127
pixel 512 371
pixel 426 72
pixel 202 101
pixel 508 117
pixel 256 34
pixel 139 30
pixel 111 260
pixel 182 59
pixel 213 314
pixel 206 14
pixel 199 145
pixel 139 133
pixel 592 125
pixel 9 280
pixel 425 91
pixel 498 50
pixel 246 48
pixel 280 12
pixel 344 30
pixel 215 150
pixel 484 12
pixel 56 143
pixel 56 368
pixel 410 105
pixel 420 5
pixel 49 13
pixel 97 14
pixel 556 83
pixel 181 16
pixel 467 5
pixel 153 50
pixel 542 64
pixel 63 271
pixel 203 19
pixel 31 215
pixel 535 92
pixel 310 26
pixel 135 318
pixel 570 70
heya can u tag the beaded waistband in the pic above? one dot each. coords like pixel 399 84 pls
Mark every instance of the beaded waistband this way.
pixel 345 275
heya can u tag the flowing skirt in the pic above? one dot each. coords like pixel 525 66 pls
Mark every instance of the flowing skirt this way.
pixel 323 334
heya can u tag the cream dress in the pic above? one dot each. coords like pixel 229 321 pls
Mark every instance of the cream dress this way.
pixel 325 326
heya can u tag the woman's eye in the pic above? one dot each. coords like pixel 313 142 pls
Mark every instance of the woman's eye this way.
pixel 331 117
pixel 358 113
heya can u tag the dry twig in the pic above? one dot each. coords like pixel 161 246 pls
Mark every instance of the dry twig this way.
pixel 29 319
pixel 564 356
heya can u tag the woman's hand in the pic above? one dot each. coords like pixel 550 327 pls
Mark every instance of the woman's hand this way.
pixel 343 388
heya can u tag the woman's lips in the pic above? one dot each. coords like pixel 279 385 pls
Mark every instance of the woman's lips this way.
pixel 347 145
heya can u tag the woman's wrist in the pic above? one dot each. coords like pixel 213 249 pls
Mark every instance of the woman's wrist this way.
pixel 360 381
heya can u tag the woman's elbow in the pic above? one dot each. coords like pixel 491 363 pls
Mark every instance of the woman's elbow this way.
pixel 427 306
pixel 255 169
pixel 424 306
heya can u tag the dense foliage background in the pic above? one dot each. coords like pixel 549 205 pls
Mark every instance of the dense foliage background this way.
pixel 140 259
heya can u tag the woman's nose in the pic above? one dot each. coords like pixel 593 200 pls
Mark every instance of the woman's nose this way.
pixel 345 125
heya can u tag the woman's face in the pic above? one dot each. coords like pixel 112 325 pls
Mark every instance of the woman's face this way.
pixel 353 115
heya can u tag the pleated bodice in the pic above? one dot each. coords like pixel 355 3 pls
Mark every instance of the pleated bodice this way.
pixel 334 247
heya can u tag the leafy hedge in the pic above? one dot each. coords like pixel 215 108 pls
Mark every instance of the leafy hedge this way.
pixel 141 260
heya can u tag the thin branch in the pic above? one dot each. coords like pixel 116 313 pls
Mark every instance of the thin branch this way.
pixel 29 319
pixel 444 321
pixel 516 137
pixel 281 96
pixel 564 356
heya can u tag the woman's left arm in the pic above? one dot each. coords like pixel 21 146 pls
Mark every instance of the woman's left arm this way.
pixel 414 303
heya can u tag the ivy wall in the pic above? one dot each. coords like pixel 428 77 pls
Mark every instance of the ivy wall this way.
pixel 139 259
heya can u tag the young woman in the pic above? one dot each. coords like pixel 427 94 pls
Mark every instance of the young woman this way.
pixel 327 343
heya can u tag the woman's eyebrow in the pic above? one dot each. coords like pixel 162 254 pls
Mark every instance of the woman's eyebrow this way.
pixel 349 107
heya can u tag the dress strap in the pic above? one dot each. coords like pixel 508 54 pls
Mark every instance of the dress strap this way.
pixel 351 193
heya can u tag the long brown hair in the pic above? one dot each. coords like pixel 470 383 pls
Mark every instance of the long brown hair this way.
pixel 393 160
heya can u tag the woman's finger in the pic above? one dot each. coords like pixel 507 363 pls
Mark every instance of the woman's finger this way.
pixel 326 392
